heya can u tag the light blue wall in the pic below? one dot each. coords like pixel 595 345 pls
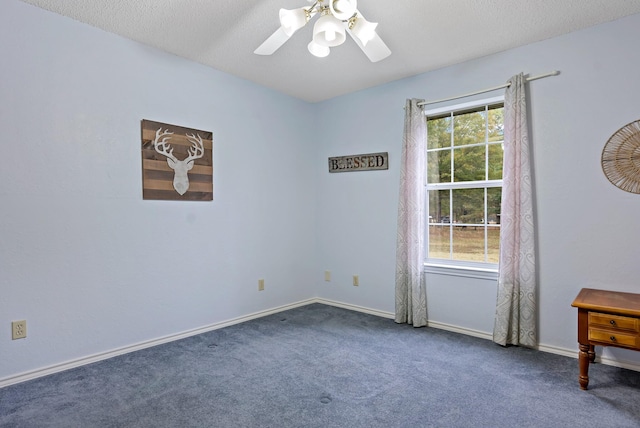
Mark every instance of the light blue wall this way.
pixel 93 267
pixel 89 264
pixel 588 229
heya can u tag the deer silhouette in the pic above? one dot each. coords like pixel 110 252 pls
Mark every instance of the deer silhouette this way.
pixel 180 168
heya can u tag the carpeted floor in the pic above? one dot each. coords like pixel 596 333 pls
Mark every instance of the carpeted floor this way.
pixel 321 366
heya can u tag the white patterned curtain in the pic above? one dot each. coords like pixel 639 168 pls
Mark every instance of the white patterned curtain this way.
pixel 411 296
pixel 515 322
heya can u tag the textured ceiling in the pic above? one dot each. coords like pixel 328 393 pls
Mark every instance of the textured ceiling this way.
pixel 422 34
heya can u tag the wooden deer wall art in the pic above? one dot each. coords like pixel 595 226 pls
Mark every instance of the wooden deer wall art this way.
pixel 177 162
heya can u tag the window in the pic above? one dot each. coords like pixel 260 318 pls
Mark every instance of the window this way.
pixel 464 185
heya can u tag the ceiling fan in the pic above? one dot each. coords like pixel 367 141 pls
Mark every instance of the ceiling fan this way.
pixel 337 17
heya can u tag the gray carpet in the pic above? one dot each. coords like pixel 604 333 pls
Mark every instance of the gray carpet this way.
pixel 321 366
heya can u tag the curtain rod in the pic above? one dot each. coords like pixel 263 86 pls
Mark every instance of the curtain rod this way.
pixel 529 79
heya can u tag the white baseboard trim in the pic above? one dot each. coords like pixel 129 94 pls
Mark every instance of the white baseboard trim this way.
pixel 356 308
pixel 616 363
pixel 573 353
pixel 461 330
pixel 34 374
pixel 56 368
pixel 391 315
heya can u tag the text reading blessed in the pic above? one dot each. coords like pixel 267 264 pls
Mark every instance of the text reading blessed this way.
pixel 367 162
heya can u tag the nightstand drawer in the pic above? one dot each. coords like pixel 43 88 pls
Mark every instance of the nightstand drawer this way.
pixel 614 337
pixel 613 321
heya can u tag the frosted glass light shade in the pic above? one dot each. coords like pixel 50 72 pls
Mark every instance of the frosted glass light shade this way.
pixel 329 31
pixel 318 50
pixel 364 30
pixel 292 20
pixel 343 9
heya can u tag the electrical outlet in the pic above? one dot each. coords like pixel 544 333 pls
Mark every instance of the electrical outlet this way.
pixel 327 275
pixel 356 280
pixel 261 285
pixel 18 329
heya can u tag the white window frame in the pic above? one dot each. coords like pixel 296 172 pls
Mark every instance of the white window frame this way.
pixel 462 268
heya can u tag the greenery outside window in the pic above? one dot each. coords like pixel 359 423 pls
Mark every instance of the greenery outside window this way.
pixel 464 185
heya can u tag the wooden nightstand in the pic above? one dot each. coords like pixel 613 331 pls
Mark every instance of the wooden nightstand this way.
pixel 605 318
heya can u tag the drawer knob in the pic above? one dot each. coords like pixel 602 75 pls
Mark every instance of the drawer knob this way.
pixel 613 322
pixel 613 338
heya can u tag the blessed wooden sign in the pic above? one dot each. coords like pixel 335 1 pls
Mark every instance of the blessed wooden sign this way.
pixel 367 162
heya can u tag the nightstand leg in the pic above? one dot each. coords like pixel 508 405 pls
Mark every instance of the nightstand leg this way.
pixel 583 358
pixel 592 353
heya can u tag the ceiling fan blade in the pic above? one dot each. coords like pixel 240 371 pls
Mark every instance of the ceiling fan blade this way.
pixel 273 43
pixel 376 50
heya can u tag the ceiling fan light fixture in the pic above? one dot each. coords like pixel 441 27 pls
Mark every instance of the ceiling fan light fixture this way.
pixel 329 31
pixel 318 50
pixel 293 20
pixel 363 29
pixel 336 18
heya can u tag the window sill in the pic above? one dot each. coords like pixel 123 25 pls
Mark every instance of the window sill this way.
pixel 465 271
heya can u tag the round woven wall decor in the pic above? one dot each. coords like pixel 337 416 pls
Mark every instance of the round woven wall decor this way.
pixel 621 158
